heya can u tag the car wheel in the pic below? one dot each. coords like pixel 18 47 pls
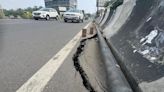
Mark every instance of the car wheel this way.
pixel 78 21
pixel 82 20
pixel 47 17
pixel 36 18
pixel 57 17
pixel 65 20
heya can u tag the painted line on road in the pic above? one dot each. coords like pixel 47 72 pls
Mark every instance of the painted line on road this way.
pixel 41 78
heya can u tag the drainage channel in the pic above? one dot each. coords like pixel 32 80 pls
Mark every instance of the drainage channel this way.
pixel 117 81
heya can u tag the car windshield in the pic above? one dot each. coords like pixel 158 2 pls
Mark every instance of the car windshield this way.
pixel 74 11
pixel 44 9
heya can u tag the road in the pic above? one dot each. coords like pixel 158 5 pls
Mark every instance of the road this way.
pixel 26 45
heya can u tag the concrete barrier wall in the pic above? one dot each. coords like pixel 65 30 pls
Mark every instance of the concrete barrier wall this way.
pixel 102 16
pixel 119 17
pixel 105 17
pixel 135 33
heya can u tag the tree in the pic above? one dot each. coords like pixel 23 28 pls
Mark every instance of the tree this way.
pixel 40 7
pixel 1 14
pixel 24 13
pixel 27 15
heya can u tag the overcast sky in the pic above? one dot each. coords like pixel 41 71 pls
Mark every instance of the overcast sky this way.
pixel 87 5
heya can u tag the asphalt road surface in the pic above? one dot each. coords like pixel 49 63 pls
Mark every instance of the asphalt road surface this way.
pixel 26 45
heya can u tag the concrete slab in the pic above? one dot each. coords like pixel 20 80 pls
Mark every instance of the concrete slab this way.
pixel 93 65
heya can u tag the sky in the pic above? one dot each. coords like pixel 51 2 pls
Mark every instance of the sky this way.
pixel 87 5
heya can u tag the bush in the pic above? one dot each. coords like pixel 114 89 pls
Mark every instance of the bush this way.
pixel 116 4
pixel 1 14
pixel 27 15
pixel 23 13
pixel 108 3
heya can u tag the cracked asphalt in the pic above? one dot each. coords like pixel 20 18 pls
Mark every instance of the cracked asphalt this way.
pixel 26 45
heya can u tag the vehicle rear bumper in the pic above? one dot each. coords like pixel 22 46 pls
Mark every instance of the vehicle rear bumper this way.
pixel 39 17
pixel 72 18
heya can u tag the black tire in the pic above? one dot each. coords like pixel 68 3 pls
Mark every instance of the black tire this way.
pixel 82 20
pixel 36 18
pixel 78 21
pixel 65 20
pixel 57 17
pixel 47 17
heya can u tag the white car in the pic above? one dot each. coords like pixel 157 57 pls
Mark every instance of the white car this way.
pixel 45 13
pixel 74 15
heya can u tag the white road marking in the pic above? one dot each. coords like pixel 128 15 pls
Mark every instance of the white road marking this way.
pixel 41 78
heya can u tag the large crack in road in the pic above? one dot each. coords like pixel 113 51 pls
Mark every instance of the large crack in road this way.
pixel 78 67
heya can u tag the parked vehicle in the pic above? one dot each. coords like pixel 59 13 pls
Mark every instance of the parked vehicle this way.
pixel 45 13
pixel 74 15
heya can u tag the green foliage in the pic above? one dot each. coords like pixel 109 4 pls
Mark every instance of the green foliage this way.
pixel 116 4
pixel 108 3
pixel 24 13
pixel 27 15
pixel 113 3
pixel 1 14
